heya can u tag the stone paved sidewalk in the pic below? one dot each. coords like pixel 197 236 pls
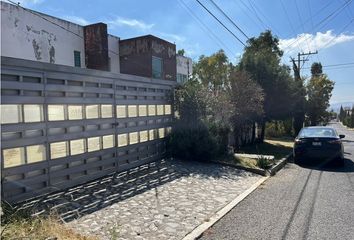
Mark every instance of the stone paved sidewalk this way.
pixel 163 200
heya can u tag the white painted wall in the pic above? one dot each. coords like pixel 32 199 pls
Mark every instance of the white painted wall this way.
pixel 184 65
pixel 27 36
pixel 113 53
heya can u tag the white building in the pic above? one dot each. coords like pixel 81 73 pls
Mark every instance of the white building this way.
pixel 184 68
pixel 31 35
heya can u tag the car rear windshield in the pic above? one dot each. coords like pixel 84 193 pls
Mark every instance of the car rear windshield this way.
pixel 317 132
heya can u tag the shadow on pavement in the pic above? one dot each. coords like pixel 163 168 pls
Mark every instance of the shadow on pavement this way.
pixel 348 166
pixel 92 196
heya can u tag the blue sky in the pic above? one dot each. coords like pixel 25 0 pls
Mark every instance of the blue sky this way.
pixel 301 25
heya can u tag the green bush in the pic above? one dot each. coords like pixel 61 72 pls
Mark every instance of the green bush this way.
pixel 200 143
pixel 275 129
pixel 263 162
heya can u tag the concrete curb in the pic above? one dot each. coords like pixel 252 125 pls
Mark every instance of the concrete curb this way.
pixel 348 128
pixel 194 234
pixel 280 164
pixel 253 170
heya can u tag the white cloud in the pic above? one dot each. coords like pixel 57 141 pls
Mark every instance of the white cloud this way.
pixel 119 21
pixel 78 20
pixel 309 42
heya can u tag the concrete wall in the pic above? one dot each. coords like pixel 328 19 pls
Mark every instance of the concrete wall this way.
pixel 184 65
pixel 113 53
pixel 27 36
pixel 136 56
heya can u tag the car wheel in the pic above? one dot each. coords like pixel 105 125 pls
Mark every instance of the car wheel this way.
pixel 296 159
pixel 339 162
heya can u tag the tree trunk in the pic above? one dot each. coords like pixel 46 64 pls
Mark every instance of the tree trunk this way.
pixel 298 122
pixel 263 130
pixel 253 132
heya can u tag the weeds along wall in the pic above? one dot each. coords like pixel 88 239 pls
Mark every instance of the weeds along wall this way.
pixel 62 126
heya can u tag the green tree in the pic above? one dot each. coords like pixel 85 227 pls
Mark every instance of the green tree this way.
pixel 299 100
pixel 212 71
pixel 246 104
pixel 319 91
pixel 341 113
pixel 181 52
pixel 262 60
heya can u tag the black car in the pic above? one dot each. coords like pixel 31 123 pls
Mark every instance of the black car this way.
pixel 321 144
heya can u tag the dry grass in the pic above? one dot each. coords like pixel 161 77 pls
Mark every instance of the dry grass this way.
pixel 39 228
pixel 246 162
pixel 278 147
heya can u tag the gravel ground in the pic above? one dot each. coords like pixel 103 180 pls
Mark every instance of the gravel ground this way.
pixel 165 200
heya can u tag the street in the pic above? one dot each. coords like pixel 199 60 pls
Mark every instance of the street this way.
pixel 297 203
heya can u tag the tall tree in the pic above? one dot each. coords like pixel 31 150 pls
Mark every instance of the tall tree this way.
pixel 262 60
pixel 319 91
pixel 246 98
pixel 299 100
pixel 212 71
pixel 341 113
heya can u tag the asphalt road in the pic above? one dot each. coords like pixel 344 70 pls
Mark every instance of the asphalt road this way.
pixel 298 203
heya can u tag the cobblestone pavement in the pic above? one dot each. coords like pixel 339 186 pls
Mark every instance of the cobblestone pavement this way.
pixel 164 200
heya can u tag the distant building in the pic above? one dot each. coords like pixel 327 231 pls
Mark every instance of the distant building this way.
pixel 148 56
pixel 184 68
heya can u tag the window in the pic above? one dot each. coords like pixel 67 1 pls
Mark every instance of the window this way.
pixel 77 59
pixel 35 153
pixel 152 134
pixel 33 113
pixel 159 109
pixel 77 146
pixel 133 138
pixel 91 111
pixel 132 111
pixel 56 112
pixel 106 111
pixel 121 111
pixel 108 141
pixel 75 112
pixel 122 140
pixel 152 110
pixel 93 144
pixel 161 132
pixel 142 111
pixel 167 109
pixel 143 136
pixel 11 113
pixel 14 157
pixel 156 67
pixel 58 150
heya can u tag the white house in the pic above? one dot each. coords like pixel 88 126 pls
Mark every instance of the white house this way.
pixel 31 35
pixel 184 68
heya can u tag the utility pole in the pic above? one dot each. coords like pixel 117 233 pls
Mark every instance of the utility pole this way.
pixel 299 113
pixel 297 67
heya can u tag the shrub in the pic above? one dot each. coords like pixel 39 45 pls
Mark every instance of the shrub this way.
pixel 199 143
pixel 275 129
pixel 263 162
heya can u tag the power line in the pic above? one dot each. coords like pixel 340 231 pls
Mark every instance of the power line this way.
pixel 335 65
pixel 221 23
pixel 323 21
pixel 233 23
pixel 205 27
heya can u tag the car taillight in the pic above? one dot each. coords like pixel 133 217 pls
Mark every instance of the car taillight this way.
pixel 299 141
pixel 336 141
